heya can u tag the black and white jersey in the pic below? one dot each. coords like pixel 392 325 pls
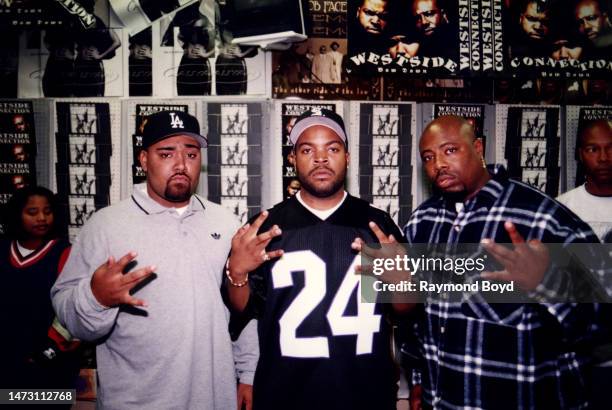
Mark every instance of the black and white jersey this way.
pixel 320 346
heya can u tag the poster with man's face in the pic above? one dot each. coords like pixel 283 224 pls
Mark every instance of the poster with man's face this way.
pixel 559 39
pixel 17 147
pixel 316 68
pixel 418 37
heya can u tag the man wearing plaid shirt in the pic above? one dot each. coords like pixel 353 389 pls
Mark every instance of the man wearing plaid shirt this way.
pixel 498 356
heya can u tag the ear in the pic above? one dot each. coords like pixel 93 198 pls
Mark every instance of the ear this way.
pixel 143 159
pixel 478 147
pixel 348 159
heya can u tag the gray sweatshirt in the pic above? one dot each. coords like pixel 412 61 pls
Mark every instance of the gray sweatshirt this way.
pixel 176 353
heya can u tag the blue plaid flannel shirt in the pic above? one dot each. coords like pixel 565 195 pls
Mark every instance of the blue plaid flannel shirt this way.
pixel 504 356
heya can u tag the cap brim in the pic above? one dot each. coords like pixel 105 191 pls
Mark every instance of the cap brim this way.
pixel 306 123
pixel 202 140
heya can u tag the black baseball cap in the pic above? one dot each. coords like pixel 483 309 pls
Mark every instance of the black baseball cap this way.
pixel 318 116
pixel 166 124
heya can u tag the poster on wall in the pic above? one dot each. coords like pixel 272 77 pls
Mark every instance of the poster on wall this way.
pixel 234 157
pixel 558 38
pixel 17 148
pixel 553 91
pixel 532 147
pixel 136 15
pixel 224 69
pixel 474 114
pixel 51 13
pixel 195 57
pixel 83 153
pixel 140 64
pixel 238 69
pixel 71 62
pixel 289 114
pixel 189 37
pixel 421 37
pixel 402 88
pixel 9 60
pixel 385 158
pixel 316 67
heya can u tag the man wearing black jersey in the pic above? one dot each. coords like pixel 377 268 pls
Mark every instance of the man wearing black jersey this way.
pixel 293 268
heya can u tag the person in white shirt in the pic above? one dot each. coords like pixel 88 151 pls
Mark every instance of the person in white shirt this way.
pixel 323 67
pixel 336 63
pixel 592 201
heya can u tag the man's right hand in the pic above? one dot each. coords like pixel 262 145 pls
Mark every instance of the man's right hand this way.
pixel 111 287
pixel 249 248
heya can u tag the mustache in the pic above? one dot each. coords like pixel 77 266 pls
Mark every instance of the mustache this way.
pixel 180 174
pixel 443 173
pixel 320 167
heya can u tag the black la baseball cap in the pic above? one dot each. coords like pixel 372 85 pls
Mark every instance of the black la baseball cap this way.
pixel 318 116
pixel 166 124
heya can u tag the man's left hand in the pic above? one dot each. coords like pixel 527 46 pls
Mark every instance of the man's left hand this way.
pixel 525 264
pixel 387 251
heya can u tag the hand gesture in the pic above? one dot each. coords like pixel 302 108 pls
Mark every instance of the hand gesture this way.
pixel 391 250
pixel 111 287
pixel 249 248
pixel 525 264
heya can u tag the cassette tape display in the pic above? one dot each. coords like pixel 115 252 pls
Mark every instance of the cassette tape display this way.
pixel 234 157
pixel 385 147
pixel 84 150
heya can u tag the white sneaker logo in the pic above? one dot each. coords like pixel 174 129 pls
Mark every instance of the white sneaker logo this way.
pixel 176 122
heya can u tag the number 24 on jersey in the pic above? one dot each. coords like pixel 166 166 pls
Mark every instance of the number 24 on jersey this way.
pixel 364 325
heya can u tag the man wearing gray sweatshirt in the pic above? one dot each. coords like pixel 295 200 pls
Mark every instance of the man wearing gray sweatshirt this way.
pixel 143 281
